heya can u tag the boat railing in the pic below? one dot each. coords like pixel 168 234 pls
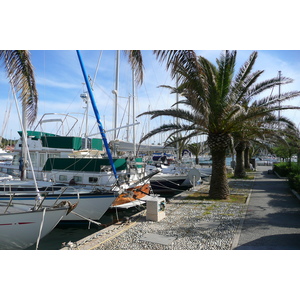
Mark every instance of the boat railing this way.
pixel 9 203
pixel 62 121
pixel 39 198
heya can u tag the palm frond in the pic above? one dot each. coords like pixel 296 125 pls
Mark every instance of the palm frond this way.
pixel 245 69
pixel 267 84
pixel 162 128
pixel 136 61
pixel 176 58
pixel 226 65
pixel 21 76
pixel 242 94
pixel 183 114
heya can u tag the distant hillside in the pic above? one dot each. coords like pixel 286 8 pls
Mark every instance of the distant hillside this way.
pixel 5 142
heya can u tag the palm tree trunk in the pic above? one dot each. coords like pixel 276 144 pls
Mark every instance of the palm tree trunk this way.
pixel 239 170
pixel 219 188
pixel 247 156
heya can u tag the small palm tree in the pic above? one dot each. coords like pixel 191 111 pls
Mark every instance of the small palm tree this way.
pixel 179 143
pixel 214 98
pixel 195 149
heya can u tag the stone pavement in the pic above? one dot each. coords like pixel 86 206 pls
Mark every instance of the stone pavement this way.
pixel 272 220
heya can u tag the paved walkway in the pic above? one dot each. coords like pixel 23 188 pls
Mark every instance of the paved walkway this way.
pixel 272 220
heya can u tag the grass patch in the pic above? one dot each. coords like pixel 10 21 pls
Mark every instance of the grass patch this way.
pixel 209 209
pixel 247 177
pixel 206 213
pixel 234 198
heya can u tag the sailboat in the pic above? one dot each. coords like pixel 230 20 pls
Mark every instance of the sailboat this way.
pixel 21 226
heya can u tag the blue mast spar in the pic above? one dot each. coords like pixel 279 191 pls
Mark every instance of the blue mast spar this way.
pixel 96 112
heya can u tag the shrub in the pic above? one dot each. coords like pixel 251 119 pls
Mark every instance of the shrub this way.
pixel 283 169
pixel 292 172
pixel 294 182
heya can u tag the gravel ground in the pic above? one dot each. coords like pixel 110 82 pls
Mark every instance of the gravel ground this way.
pixel 188 225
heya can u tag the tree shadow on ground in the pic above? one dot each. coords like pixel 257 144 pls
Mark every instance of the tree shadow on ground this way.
pixel 273 242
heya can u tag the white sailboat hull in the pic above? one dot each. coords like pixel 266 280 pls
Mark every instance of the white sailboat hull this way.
pixel 89 206
pixel 20 230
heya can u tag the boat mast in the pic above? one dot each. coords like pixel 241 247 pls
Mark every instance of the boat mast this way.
pixel 177 120
pixel 279 91
pixel 23 158
pixel 133 112
pixel 116 93
pixel 97 115
pixel 85 98
pixel 128 120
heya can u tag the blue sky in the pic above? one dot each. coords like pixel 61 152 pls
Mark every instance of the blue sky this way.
pixel 59 83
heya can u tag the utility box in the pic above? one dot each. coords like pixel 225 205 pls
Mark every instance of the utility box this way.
pixel 253 162
pixel 156 209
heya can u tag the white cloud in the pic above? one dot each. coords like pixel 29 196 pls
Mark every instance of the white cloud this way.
pixel 56 84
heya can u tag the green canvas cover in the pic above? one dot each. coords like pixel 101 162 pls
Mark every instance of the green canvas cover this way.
pixel 139 159
pixel 36 134
pixel 97 144
pixel 82 164
pixel 62 142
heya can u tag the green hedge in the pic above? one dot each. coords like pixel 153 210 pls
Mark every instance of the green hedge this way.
pixel 291 171
pixel 283 169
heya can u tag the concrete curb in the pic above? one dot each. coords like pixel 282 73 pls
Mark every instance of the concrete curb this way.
pixel 239 230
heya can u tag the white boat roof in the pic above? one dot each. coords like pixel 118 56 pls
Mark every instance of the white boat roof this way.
pixel 127 146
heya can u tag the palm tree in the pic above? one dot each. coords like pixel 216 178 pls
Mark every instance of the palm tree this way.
pixel 214 98
pixel 289 143
pixel 21 77
pixel 195 149
pixel 263 130
pixel 179 143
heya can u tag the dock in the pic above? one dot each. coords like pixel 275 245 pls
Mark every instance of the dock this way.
pixel 188 225
pixel 268 220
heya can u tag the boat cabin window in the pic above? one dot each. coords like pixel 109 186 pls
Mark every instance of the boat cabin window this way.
pixel 33 157
pixel 42 159
pixel 62 178
pixel 53 155
pixel 93 179
pixel 77 179
pixel 16 159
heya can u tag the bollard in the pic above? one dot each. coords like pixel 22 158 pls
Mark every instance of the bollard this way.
pixel 156 209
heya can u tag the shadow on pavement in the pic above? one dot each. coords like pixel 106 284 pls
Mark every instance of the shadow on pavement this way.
pixel 273 242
